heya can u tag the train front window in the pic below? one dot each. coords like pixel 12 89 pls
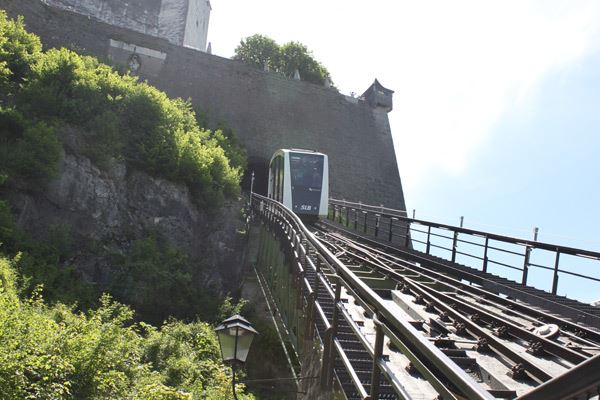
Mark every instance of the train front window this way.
pixel 306 170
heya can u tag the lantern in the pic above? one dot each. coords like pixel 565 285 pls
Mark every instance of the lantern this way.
pixel 235 337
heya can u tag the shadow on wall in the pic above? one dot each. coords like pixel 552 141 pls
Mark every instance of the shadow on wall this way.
pixel 260 166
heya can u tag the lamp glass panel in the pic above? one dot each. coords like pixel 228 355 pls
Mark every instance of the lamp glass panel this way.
pixel 244 342
pixel 227 342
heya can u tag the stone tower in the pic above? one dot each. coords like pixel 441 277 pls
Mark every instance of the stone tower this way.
pixel 379 97
pixel 181 22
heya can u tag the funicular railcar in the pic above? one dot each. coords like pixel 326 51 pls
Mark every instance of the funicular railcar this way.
pixel 300 180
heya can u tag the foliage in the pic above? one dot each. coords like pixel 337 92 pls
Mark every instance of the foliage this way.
pixel 156 279
pixel 260 51
pixel 131 120
pixel 295 56
pixel 51 350
pixel 18 51
pixel 56 353
pixel 226 138
pixel 160 281
pixel 121 117
pixel 187 354
pixel 229 308
pixel 43 263
pixel 29 152
pixel 8 229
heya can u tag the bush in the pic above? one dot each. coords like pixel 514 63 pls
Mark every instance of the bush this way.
pixel 55 353
pixel 29 152
pixel 18 51
pixel 160 281
pixel 133 121
pixel 156 279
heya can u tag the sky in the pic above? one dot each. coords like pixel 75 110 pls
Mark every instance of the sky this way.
pixel 496 106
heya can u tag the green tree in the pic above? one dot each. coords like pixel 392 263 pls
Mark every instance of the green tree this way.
pixel 260 51
pixel 18 49
pixel 295 56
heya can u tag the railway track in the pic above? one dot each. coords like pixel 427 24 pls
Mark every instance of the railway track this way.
pixel 506 346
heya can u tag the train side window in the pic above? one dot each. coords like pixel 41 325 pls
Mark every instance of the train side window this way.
pixel 281 179
pixel 281 172
pixel 276 178
pixel 271 180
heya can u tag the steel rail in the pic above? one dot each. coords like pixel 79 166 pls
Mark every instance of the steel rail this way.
pixel 513 305
pixel 455 374
pixel 503 352
pixel 382 365
pixel 514 330
pixel 506 305
pixel 550 346
pixel 566 385
pixel 483 296
pixel 419 365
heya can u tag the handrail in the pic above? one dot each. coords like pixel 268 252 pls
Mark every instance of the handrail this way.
pixel 382 218
pixel 434 355
pixel 503 238
pixel 584 376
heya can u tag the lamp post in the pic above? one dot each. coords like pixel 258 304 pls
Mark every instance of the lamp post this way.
pixel 235 337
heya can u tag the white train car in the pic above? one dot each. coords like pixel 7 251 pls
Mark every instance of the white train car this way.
pixel 300 180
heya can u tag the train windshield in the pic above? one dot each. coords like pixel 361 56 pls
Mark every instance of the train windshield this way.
pixel 306 170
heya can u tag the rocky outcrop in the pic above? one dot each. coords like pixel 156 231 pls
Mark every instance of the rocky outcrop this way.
pixel 107 209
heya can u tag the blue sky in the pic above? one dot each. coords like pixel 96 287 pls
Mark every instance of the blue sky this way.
pixel 496 108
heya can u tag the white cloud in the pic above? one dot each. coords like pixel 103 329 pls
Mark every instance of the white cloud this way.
pixel 456 67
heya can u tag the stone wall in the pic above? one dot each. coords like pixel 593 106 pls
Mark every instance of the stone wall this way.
pixel 266 110
pixel 111 208
pixel 139 15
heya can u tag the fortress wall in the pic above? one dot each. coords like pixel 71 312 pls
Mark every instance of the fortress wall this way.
pixel 266 110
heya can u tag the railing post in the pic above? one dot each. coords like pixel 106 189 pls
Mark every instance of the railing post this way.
pixel 310 316
pixel 555 278
pixel 526 265
pixel 355 218
pixel 340 215
pixel 365 222
pixel 407 237
pixel 251 187
pixel 334 210
pixel 390 233
pixel 347 216
pixel 377 354
pixel 428 240
pixel 327 344
pixel 377 217
pixel 328 372
pixel 454 244
pixel 485 256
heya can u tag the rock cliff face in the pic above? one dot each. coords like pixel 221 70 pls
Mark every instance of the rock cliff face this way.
pixel 110 208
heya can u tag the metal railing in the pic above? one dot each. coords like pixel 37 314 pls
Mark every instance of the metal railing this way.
pixel 311 256
pixel 478 249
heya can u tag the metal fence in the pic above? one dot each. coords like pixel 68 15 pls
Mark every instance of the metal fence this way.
pixel 511 257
